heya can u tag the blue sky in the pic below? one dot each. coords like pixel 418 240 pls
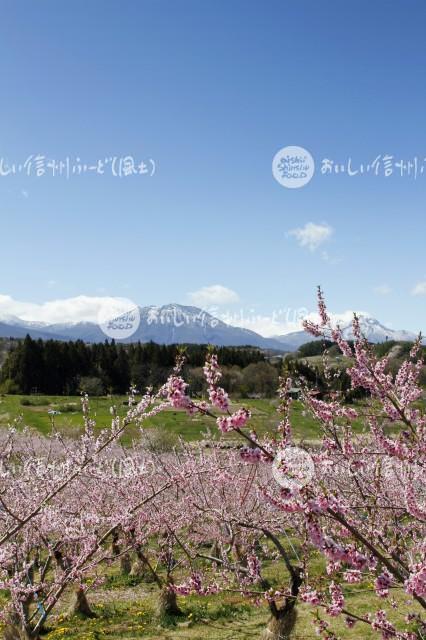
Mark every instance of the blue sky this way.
pixel 211 91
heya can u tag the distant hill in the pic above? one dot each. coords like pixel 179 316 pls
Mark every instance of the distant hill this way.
pixel 179 324
pixel 169 324
pixel 8 330
pixel 371 328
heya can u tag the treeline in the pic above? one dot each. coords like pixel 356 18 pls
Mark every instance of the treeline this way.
pixel 304 373
pixel 55 367
pixel 66 368
pixel 303 370
pixel 400 349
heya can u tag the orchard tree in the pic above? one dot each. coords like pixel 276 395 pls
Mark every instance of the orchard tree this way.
pixel 360 494
pixel 56 517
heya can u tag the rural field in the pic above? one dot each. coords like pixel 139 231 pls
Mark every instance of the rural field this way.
pixel 127 608
pixel 33 411
pixel 124 604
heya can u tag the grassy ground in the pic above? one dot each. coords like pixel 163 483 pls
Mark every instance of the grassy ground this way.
pixel 169 425
pixel 177 423
pixel 125 610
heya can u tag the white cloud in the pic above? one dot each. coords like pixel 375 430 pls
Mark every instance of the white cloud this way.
pixel 69 310
pixel 285 321
pixel 89 309
pixel 419 289
pixel 311 235
pixel 383 290
pixel 215 294
pixel 265 325
pixel 341 319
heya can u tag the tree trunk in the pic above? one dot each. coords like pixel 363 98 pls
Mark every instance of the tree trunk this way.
pixel 115 547
pixel 141 571
pixel 125 564
pixel 214 549
pixel 167 603
pixel 81 606
pixel 281 627
pixel 138 569
pixel 146 568
pixel 283 621
pixel 125 560
pixel 13 630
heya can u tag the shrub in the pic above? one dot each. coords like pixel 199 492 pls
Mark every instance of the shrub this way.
pixel 35 402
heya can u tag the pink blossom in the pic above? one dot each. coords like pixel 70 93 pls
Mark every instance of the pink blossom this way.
pixel 382 584
pixel 310 595
pixel 337 600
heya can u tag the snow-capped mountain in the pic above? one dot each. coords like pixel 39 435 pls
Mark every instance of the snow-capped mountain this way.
pixel 17 330
pixel 172 323
pixel 371 328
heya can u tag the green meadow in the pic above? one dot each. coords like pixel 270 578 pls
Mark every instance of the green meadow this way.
pixel 33 412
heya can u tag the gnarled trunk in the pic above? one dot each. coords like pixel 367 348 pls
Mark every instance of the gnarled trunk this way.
pixel 125 560
pixel 281 627
pixel 14 630
pixel 115 547
pixel 283 620
pixel 141 571
pixel 145 568
pixel 167 603
pixel 81 606
pixel 125 564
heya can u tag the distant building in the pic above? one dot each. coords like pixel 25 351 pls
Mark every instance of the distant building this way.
pixel 294 392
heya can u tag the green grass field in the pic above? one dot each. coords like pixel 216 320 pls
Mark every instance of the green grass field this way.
pixel 170 424
pixel 125 608
pixel 176 423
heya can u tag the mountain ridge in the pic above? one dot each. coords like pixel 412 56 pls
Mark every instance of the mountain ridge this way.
pixel 371 328
pixel 175 323
pixel 166 324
